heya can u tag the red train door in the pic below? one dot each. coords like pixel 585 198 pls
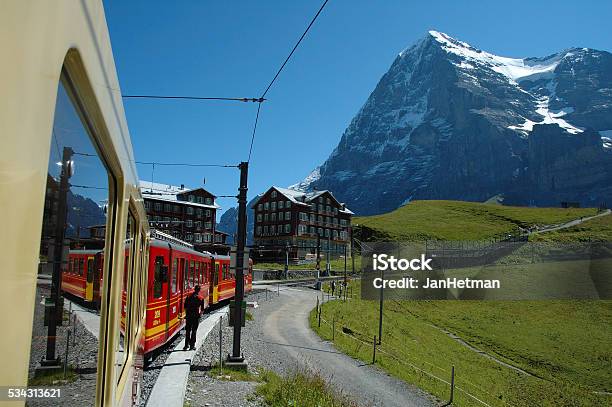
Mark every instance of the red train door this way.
pixel 181 282
pixel 97 268
pixel 171 275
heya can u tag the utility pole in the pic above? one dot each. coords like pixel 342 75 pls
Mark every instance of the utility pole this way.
pixel 236 358
pixel 318 260
pixel 345 285
pixel 55 314
pixel 287 261
pixel 327 265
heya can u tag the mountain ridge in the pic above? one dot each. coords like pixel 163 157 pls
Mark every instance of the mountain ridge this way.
pixel 450 121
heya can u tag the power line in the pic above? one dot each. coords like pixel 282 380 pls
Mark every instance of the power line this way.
pixel 87 187
pixel 262 98
pixel 294 48
pixel 254 130
pixel 187 164
pixel 254 100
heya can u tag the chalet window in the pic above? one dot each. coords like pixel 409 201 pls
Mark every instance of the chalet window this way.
pixel 208 213
pixel 335 210
pixel 258 230
pixel 147 205
pixel 189 223
pixel 177 209
pixel 175 221
pixel 273 194
pixel 288 204
pixel 280 216
pixel 320 208
pixel 320 231
pixel 273 216
pixel 209 201
pixel 259 207
pixel 313 206
pixel 207 237
pixel 198 224
pixel 189 210
pixel 273 206
pixel 259 217
pixel 199 212
pixel 287 228
pixel 166 219
pixel 191 198
pixel 312 230
pixel 273 229
pixel 266 206
pixel 327 201
pixel 287 215
pixel 265 217
pixel 208 225
pixel 200 199
pixel 265 230
pixel 281 204
pixel 320 219
pixel 328 208
pixel 158 206
pixel 189 237
pixel 198 238
pixel 313 217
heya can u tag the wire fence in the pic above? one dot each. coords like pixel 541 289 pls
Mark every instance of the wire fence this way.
pixel 455 382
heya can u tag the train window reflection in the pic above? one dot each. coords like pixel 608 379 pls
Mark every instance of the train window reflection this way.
pixel 66 322
pixel 158 283
pixel 124 316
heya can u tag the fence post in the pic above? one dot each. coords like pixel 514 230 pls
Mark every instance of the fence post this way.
pixel 66 356
pixel 333 328
pixel 277 289
pixel 374 352
pixel 320 308
pixel 452 385
pixel 221 343
pixel 74 328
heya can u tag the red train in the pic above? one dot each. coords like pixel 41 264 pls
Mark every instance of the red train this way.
pixel 173 271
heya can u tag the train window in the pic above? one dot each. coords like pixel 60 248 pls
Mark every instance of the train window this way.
pixel 174 277
pixel 158 283
pixel 78 187
pixel 124 301
pixel 197 269
pixel 185 274
pixel 217 270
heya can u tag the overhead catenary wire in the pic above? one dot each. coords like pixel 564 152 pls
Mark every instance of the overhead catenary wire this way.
pixel 254 100
pixel 262 98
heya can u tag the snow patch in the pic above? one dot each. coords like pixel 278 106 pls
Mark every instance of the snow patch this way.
pixel 606 138
pixel 306 182
pixel 549 117
pixel 515 69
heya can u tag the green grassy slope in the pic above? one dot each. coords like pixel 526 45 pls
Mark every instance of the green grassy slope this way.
pixel 564 345
pixel 457 220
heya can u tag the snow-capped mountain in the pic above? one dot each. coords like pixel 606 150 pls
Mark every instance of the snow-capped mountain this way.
pixel 449 121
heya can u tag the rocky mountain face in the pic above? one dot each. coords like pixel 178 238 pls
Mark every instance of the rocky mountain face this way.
pixel 228 223
pixel 449 121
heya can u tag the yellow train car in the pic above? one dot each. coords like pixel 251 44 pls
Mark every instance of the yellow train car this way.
pixel 67 167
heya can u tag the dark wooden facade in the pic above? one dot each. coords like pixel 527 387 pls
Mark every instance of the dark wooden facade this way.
pixel 187 214
pixel 292 220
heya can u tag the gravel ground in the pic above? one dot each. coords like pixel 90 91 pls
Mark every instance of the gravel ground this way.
pixel 202 390
pixel 82 356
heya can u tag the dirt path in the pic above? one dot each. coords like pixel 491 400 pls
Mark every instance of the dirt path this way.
pixel 288 329
pixel 570 223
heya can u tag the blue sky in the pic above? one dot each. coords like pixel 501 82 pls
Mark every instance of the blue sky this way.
pixel 233 49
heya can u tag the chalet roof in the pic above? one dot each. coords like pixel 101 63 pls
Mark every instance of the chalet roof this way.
pixel 304 198
pixel 166 192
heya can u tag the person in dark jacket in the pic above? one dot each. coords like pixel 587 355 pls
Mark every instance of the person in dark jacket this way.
pixel 194 306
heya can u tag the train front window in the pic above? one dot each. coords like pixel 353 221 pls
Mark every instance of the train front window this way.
pixel 76 198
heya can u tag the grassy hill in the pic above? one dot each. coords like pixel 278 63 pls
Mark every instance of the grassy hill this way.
pixel 457 220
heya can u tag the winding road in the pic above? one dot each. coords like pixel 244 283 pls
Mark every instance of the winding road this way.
pixel 287 327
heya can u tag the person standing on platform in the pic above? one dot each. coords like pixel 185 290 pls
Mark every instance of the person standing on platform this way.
pixel 194 306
